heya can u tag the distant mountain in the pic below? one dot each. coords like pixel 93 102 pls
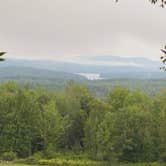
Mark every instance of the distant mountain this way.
pixel 28 73
pixel 137 60
pixel 109 67
pixel 54 76
pixel 134 75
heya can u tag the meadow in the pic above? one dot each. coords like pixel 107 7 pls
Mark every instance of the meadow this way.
pixel 131 164
pixel 12 164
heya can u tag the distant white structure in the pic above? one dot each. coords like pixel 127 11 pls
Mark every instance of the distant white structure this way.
pixel 91 76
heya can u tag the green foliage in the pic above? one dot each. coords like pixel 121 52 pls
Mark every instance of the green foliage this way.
pixel 8 156
pixel 117 97
pixel 65 162
pixel 74 128
pixel 32 159
pixel 96 115
pixel 97 164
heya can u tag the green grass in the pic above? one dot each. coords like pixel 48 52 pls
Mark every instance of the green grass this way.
pixel 11 164
pixel 131 164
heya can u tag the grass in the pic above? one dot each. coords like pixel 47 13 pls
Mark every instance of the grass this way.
pixel 11 164
pixel 122 164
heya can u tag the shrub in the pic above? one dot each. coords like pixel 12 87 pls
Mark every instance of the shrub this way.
pixel 8 156
pixel 163 157
pixel 50 153
pixel 33 159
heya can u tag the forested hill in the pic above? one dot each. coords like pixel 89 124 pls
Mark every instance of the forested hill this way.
pixel 56 80
pixel 30 74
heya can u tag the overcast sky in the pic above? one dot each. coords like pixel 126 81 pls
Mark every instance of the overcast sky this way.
pixel 57 29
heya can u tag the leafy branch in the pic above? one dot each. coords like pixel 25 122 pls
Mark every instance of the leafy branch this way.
pixel 161 2
pixel 163 58
pixel 1 54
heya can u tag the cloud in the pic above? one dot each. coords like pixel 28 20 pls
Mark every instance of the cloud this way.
pixel 61 28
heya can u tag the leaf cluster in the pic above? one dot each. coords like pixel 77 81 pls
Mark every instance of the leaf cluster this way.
pixel 161 2
pixel 1 54
pixel 163 58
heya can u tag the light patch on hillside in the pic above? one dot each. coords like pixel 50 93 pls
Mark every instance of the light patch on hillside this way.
pixel 91 76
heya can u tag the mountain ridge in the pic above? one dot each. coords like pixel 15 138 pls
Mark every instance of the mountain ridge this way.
pixel 149 69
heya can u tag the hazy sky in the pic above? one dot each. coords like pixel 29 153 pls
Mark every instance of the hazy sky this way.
pixel 57 29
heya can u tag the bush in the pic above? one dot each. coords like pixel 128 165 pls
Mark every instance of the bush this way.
pixel 33 159
pixel 50 153
pixel 163 157
pixel 8 156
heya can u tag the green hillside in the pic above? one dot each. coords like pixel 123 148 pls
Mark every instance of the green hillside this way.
pixel 56 80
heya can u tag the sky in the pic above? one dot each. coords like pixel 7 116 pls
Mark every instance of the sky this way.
pixel 72 29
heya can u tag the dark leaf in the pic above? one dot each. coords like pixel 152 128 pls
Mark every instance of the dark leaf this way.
pixel 164 51
pixel 2 59
pixel 2 53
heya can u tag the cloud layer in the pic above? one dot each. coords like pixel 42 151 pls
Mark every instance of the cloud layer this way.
pixel 63 29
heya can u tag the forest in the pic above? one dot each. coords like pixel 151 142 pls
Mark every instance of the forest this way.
pixel 43 127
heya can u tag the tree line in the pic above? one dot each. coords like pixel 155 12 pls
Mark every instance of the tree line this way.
pixel 125 126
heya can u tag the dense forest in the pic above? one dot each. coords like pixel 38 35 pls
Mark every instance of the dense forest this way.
pixel 126 125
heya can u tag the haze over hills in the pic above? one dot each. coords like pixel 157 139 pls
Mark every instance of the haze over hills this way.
pixel 29 73
pixel 108 67
pixel 106 73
